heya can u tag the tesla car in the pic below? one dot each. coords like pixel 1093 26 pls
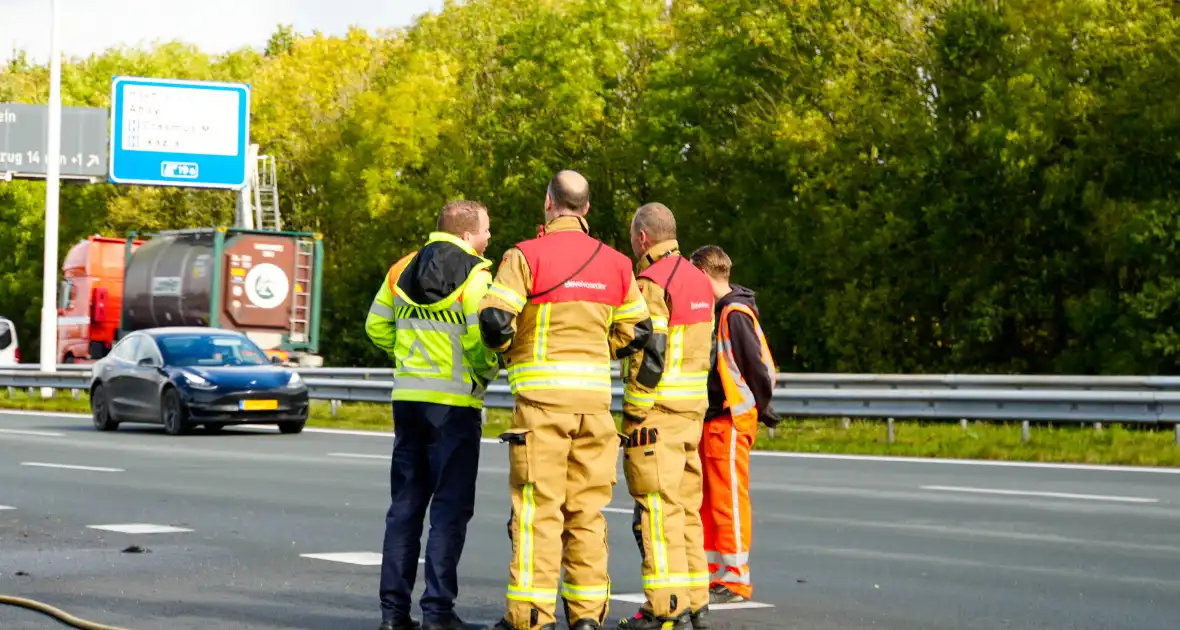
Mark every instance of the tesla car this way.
pixel 9 346
pixel 184 377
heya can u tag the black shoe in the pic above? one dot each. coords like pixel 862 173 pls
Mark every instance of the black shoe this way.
pixel 451 623
pixel 585 624
pixel 401 624
pixel 700 619
pixel 722 595
pixel 504 625
pixel 644 620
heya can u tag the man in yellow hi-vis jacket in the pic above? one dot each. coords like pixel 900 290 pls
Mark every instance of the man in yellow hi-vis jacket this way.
pixel 424 317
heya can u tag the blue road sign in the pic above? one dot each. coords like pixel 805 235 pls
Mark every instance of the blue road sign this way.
pixel 168 132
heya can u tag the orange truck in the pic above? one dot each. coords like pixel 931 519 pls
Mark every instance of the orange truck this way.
pixel 263 283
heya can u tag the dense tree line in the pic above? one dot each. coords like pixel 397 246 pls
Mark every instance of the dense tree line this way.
pixel 909 185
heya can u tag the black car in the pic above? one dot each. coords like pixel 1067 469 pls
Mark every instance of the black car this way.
pixel 182 377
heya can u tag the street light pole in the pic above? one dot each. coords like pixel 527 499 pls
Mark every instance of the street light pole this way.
pixel 52 191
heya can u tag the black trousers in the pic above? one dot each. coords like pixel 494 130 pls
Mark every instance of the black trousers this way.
pixel 435 460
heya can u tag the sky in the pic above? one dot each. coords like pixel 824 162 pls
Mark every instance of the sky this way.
pixel 215 26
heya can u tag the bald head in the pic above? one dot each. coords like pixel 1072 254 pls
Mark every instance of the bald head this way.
pixel 569 193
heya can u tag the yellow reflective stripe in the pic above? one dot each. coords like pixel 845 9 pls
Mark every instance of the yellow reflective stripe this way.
pixel 675 580
pixel 541 338
pixel 525 545
pixel 639 398
pixel 676 350
pixel 585 593
pixel 658 539
pixel 532 594
pixel 659 324
pixel 683 386
pixel 505 294
pixel 631 310
pixel 559 374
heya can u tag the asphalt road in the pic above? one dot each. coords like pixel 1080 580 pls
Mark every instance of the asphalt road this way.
pixel 839 543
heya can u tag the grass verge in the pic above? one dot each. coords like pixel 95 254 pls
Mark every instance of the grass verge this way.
pixel 1114 444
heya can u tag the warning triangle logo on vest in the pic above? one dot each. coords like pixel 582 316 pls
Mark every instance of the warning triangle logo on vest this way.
pixel 417 357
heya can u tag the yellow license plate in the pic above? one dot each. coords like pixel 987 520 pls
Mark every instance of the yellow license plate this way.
pixel 260 405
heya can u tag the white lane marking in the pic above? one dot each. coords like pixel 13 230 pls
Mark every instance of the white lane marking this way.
pixel 37 433
pixel 43 414
pixel 140 528
pixel 363 558
pixel 72 467
pixel 359 455
pixel 782 454
pixel 345 432
pixel 640 598
pixel 6 507
pixel 966 462
pixel 1052 495
pixel 618 511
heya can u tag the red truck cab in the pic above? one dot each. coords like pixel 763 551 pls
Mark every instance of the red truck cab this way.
pixel 91 298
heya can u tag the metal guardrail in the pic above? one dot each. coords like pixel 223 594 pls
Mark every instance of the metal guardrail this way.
pixel 788 380
pixel 1151 400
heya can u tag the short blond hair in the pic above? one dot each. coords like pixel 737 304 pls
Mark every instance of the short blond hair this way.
pixel 460 216
pixel 713 260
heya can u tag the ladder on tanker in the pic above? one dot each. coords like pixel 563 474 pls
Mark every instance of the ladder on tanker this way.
pixel 266 195
pixel 301 306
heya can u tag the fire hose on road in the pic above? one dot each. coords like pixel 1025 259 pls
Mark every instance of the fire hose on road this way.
pixel 56 613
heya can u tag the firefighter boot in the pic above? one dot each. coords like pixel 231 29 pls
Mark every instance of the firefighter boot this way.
pixel 586 624
pixel 700 619
pixel 645 620
pixel 505 625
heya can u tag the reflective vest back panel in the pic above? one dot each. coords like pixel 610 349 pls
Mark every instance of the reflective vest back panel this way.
pixel 555 260
pixel 690 293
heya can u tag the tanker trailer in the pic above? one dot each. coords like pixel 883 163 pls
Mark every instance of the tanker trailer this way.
pixel 265 284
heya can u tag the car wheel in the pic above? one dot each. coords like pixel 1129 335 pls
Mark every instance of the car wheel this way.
pixel 291 428
pixel 174 413
pixel 100 410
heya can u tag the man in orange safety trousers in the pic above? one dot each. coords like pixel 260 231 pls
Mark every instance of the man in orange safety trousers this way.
pixel 740 385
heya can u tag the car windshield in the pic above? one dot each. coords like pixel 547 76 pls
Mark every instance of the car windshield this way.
pixel 211 350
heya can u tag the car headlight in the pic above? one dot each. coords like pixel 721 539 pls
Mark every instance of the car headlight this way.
pixel 196 380
pixel 295 380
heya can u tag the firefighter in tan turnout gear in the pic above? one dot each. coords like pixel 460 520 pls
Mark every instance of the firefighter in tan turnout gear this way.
pixel 664 401
pixel 561 307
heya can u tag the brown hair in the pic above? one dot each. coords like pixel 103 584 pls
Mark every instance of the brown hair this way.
pixel 713 260
pixel 657 220
pixel 460 216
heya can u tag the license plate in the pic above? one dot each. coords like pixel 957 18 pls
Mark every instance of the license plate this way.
pixel 259 405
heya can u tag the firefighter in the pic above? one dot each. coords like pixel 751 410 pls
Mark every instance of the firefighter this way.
pixel 741 384
pixel 424 317
pixel 664 402
pixel 562 306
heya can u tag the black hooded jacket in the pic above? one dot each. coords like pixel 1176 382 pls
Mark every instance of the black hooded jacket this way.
pixel 747 351
pixel 438 270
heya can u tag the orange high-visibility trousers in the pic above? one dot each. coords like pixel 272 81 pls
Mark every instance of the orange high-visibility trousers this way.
pixel 725 510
